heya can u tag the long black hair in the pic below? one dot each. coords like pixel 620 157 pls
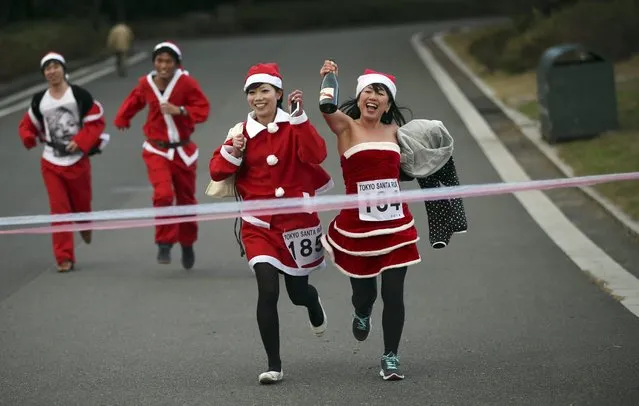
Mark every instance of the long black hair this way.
pixel 394 113
pixel 256 85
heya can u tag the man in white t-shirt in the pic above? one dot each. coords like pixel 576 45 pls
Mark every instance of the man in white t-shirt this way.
pixel 69 122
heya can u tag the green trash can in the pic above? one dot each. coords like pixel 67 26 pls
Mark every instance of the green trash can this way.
pixel 576 94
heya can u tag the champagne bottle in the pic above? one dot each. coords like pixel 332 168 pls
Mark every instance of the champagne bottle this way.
pixel 329 93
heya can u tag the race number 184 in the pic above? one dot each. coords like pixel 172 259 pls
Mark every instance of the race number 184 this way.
pixel 383 211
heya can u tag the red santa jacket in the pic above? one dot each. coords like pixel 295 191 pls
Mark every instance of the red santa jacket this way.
pixel 166 133
pixel 31 127
pixel 281 160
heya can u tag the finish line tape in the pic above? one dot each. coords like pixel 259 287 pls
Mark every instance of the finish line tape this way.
pixel 136 218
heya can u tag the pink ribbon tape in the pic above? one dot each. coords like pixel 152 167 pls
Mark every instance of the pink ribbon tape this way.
pixel 136 218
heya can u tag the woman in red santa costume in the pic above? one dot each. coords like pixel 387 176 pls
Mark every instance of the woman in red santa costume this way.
pixel 275 155
pixel 69 122
pixel 372 240
pixel 176 103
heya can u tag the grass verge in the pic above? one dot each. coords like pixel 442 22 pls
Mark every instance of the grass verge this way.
pixel 26 44
pixel 614 151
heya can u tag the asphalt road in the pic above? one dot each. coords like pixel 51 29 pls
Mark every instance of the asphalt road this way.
pixel 501 316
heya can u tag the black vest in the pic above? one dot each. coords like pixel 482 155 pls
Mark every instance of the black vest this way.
pixel 84 101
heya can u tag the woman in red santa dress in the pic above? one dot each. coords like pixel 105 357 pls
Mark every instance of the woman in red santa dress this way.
pixel 176 104
pixel 276 155
pixel 69 122
pixel 372 240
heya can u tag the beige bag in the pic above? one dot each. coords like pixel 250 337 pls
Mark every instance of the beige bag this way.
pixel 225 188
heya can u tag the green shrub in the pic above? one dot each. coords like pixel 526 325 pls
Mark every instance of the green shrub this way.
pixel 607 28
pixel 27 44
pixel 288 15
pixel 488 46
pixel 76 39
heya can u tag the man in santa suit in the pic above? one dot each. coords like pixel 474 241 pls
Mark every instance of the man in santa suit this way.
pixel 176 103
pixel 69 122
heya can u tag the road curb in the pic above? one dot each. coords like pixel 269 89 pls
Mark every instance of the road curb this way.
pixel 530 129
pixel 584 253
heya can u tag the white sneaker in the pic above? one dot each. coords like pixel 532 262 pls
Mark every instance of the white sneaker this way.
pixel 271 377
pixel 319 330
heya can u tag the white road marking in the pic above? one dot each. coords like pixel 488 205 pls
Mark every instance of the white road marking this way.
pixel 576 245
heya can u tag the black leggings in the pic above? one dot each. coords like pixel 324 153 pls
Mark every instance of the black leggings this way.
pixel 364 295
pixel 268 287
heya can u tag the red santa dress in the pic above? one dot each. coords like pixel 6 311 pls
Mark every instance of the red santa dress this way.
pixel 365 241
pixel 168 151
pixel 280 160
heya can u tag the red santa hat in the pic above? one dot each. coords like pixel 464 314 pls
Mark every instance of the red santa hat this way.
pixel 263 73
pixel 170 47
pixel 52 56
pixel 370 76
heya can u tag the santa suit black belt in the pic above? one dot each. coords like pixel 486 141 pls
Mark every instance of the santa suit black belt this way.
pixel 168 145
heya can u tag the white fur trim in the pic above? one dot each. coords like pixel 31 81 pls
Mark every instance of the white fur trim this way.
pixel 104 137
pixel 370 253
pixel 52 56
pixel 263 78
pixel 371 146
pixel 272 128
pixel 302 118
pixel 286 269
pixel 256 222
pixel 169 45
pixel 253 127
pixel 225 151
pixel 272 160
pixel 169 154
pixel 369 79
pixel 95 116
pixel 188 160
pixel 328 186
pixel 279 192
pixel 331 254
pixel 373 233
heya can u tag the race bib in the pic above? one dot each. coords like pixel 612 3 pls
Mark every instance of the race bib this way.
pixel 381 211
pixel 304 245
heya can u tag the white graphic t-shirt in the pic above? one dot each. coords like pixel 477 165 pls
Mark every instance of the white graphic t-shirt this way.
pixel 61 122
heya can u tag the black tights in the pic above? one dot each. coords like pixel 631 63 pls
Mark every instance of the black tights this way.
pixel 268 287
pixel 364 295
